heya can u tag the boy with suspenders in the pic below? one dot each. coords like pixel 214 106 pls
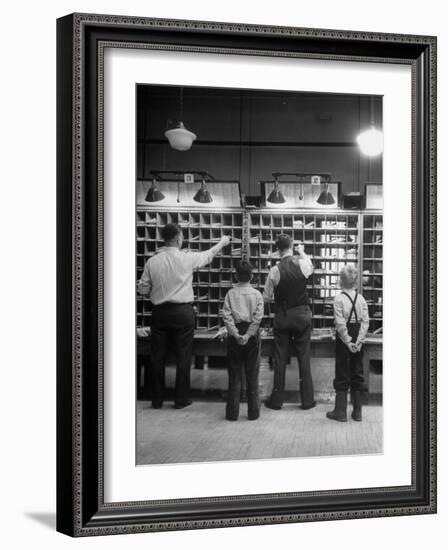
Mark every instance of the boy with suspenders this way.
pixel 351 318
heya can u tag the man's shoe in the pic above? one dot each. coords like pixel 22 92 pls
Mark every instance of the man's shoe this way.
pixel 270 405
pixel 182 405
pixel 307 407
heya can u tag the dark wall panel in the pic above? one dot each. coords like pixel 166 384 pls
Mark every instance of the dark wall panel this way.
pixel 249 135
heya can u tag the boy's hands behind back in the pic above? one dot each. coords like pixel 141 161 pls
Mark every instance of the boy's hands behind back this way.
pixel 243 339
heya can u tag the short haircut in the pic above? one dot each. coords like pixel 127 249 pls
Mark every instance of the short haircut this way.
pixel 244 271
pixel 170 232
pixel 283 242
pixel 348 276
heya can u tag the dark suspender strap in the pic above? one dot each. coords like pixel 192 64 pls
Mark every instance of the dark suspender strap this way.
pixel 353 310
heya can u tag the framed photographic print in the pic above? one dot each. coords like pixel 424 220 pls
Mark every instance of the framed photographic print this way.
pixel 237 344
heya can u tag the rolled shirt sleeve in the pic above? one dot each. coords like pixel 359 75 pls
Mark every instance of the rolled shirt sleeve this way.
pixel 257 316
pixel 270 284
pixel 306 265
pixel 144 284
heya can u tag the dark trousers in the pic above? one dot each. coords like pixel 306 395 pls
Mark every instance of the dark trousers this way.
pixel 292 325
pixel 240 357
pixel 172 329
pixel 349 368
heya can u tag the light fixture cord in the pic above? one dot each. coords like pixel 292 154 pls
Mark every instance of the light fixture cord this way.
pixel 372 125
pixel 181 104
pixel 250 142
pixel 241 137
pixel 145 121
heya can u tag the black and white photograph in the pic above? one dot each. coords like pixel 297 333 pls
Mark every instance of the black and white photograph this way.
pixel 221 305
pixel 259 274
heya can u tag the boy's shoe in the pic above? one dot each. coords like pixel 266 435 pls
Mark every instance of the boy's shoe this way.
pixel 356 402
pixel 307 407
pixel 340 408
pixel 182 405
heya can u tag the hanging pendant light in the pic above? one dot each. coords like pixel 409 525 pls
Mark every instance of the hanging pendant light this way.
pixel 154 194
pixel 179 137
pixel 371 141
pixel 326 197
pixel 276 196
pixel 203 195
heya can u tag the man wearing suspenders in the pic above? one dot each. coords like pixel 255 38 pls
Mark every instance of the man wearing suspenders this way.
pixel 286 287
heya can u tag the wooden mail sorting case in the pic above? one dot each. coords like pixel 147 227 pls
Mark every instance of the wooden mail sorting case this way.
pixel 201 231
pixel 372 268
pixel 331 238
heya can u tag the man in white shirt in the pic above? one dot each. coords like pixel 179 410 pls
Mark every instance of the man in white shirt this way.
pixel 167 278
pixel 286 287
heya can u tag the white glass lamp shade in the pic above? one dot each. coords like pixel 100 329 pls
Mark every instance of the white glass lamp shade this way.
pixel 180 138
pixel 371 142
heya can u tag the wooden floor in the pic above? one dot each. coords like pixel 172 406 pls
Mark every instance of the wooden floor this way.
pixel 200 433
